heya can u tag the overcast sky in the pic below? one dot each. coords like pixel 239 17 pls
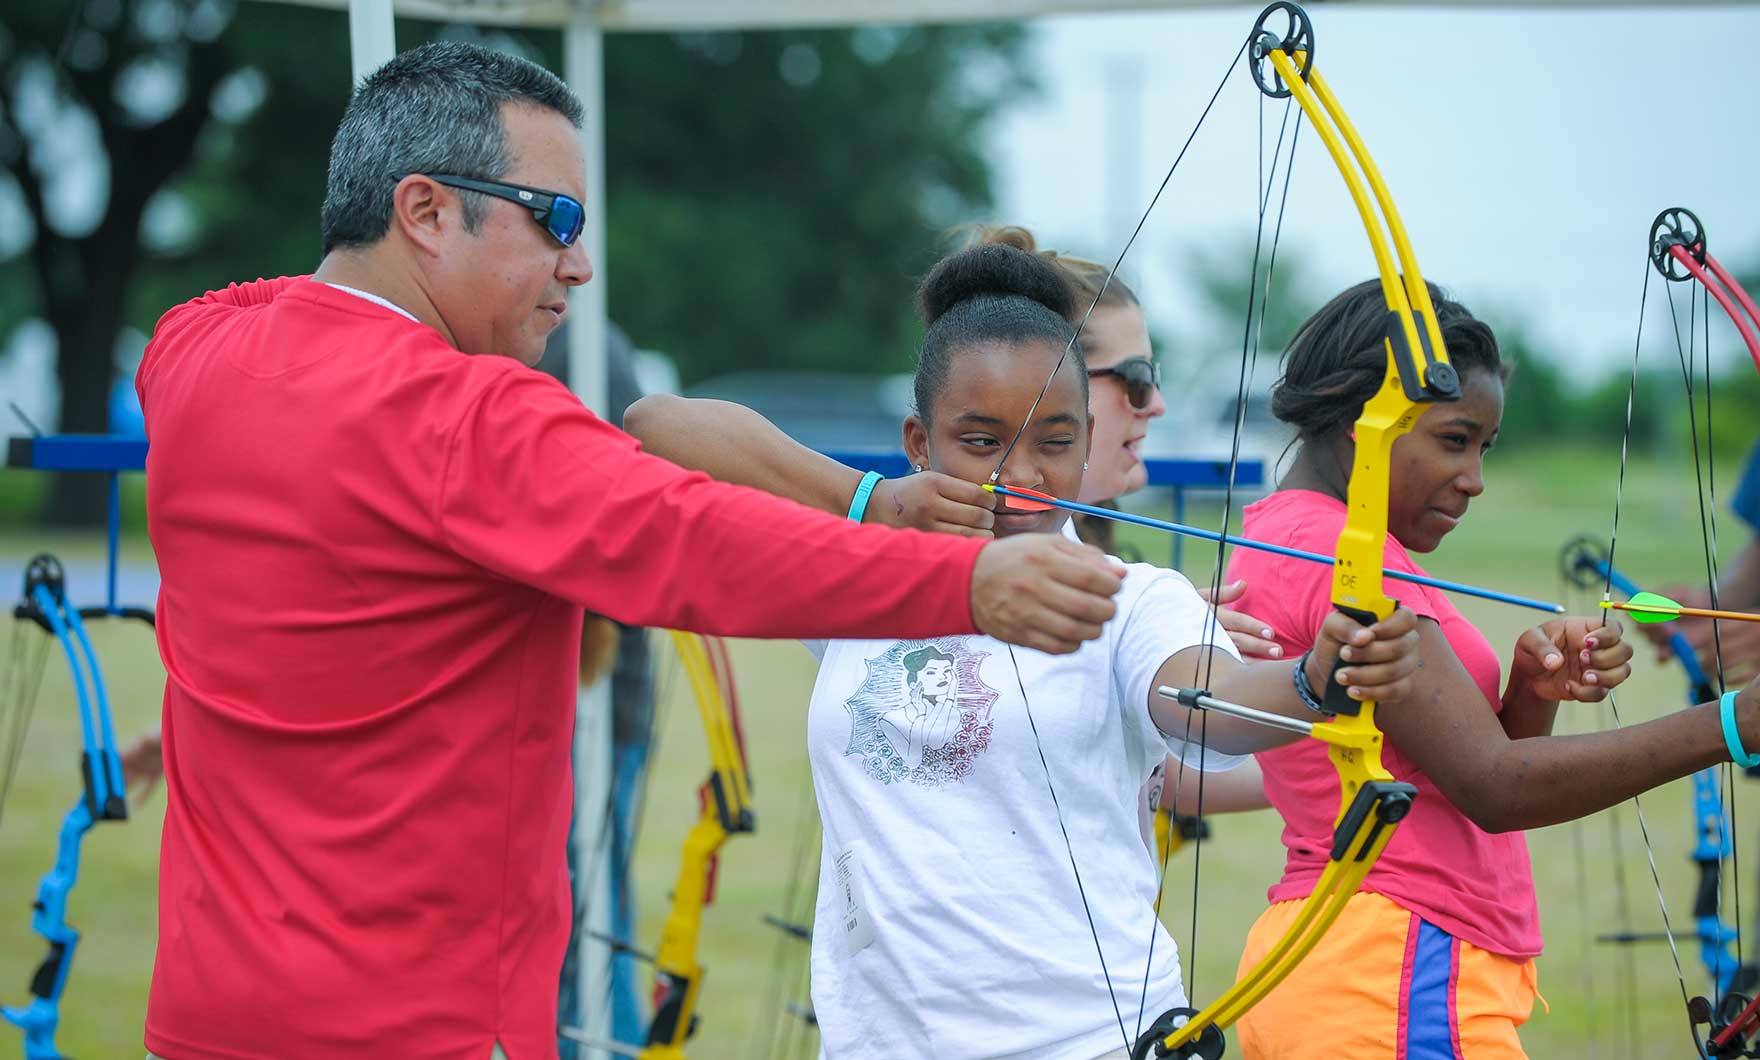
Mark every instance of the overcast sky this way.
pixel 1528 150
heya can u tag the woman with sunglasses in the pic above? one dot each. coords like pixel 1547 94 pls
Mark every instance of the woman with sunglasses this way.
pixel 959 782
pixel 1434 956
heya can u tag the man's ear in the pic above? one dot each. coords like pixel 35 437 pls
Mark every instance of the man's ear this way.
pixel 424 211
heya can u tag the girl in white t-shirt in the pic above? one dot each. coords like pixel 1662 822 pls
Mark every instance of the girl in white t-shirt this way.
pixel 985 885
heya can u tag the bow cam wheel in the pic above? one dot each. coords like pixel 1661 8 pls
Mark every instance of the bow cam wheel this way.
pixel 1676 226
pixel 1296 41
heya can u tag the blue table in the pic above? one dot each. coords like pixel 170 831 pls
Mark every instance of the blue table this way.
pixel 114 454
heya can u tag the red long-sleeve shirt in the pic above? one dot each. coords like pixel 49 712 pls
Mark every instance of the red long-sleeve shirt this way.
pixel 375 551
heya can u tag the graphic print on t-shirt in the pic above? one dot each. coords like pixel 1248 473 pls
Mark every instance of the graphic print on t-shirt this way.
pixel 922 712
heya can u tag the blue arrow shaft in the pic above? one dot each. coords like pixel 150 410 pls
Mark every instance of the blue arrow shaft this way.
pixel 1293 553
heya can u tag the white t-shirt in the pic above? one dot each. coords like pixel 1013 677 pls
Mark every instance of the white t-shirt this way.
pixel 949 923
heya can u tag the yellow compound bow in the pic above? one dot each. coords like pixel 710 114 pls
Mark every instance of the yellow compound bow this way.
pixel 724 810
pixel 1372 803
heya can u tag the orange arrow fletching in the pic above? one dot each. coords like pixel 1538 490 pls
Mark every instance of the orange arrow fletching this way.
pixel 1023 500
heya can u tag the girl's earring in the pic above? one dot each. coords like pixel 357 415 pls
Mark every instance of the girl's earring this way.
pixel 1084 465
pixel 921 468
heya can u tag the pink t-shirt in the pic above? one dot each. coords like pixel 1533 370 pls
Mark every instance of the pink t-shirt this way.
pixel 1476 886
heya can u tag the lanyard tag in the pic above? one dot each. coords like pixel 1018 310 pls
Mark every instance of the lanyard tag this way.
pixel 858 930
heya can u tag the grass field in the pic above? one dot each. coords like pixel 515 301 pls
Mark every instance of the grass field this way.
pixel 1604 1001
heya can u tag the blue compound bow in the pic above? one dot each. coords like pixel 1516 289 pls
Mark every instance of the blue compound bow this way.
pixel 1584 563
pixel 44 603
pixel 104 799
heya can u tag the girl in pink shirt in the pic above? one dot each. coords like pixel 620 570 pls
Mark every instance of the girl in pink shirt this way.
pixel 1439 945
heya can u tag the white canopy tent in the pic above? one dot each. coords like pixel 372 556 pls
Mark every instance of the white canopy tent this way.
pixel 661 15
pixel 583 24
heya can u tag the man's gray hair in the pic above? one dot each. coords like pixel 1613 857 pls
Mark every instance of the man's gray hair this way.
pixel 433 109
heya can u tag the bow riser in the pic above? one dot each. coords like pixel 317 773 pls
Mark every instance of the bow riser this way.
pixel 42 1016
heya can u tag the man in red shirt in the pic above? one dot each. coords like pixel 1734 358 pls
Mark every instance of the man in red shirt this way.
pixel 377 527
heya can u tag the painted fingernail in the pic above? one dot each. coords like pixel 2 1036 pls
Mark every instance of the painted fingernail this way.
pixel 1276 651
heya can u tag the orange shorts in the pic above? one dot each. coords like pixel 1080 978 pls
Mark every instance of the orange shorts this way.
pixel 1384 984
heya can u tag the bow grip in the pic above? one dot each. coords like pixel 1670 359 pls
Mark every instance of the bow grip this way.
pixel 1336 699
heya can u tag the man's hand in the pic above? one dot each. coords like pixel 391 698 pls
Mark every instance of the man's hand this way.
pixel 1043 591
pixel 143 763
pixel 929 500
pixel 1578 659
pixel 1380 659
pixel 1748 715
pixel 1737 644
pixel 1252 638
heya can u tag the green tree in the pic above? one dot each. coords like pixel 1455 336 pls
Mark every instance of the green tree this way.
pixel 1221 276
pixel 135 94
pixel 773 195
pixel 1537 408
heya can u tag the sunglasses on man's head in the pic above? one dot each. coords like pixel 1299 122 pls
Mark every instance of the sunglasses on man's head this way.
pixel 559 214
pixel 1141 376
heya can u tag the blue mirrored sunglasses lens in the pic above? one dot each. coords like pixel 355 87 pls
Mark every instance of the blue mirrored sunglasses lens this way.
pixel 566 220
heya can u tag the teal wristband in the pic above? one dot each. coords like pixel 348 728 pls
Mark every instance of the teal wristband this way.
pixel 858 506
pixel 1732 738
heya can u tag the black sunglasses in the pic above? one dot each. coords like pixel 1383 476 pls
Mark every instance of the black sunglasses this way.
pixel 1141 376
pixel 559 214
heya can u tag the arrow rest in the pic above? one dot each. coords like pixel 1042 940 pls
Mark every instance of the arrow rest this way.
pixel 1676 226
pixel 1297 42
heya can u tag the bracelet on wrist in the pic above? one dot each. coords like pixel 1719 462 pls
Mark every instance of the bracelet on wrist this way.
pixel 1732 736
pixel 858 506
pixel 1304 691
